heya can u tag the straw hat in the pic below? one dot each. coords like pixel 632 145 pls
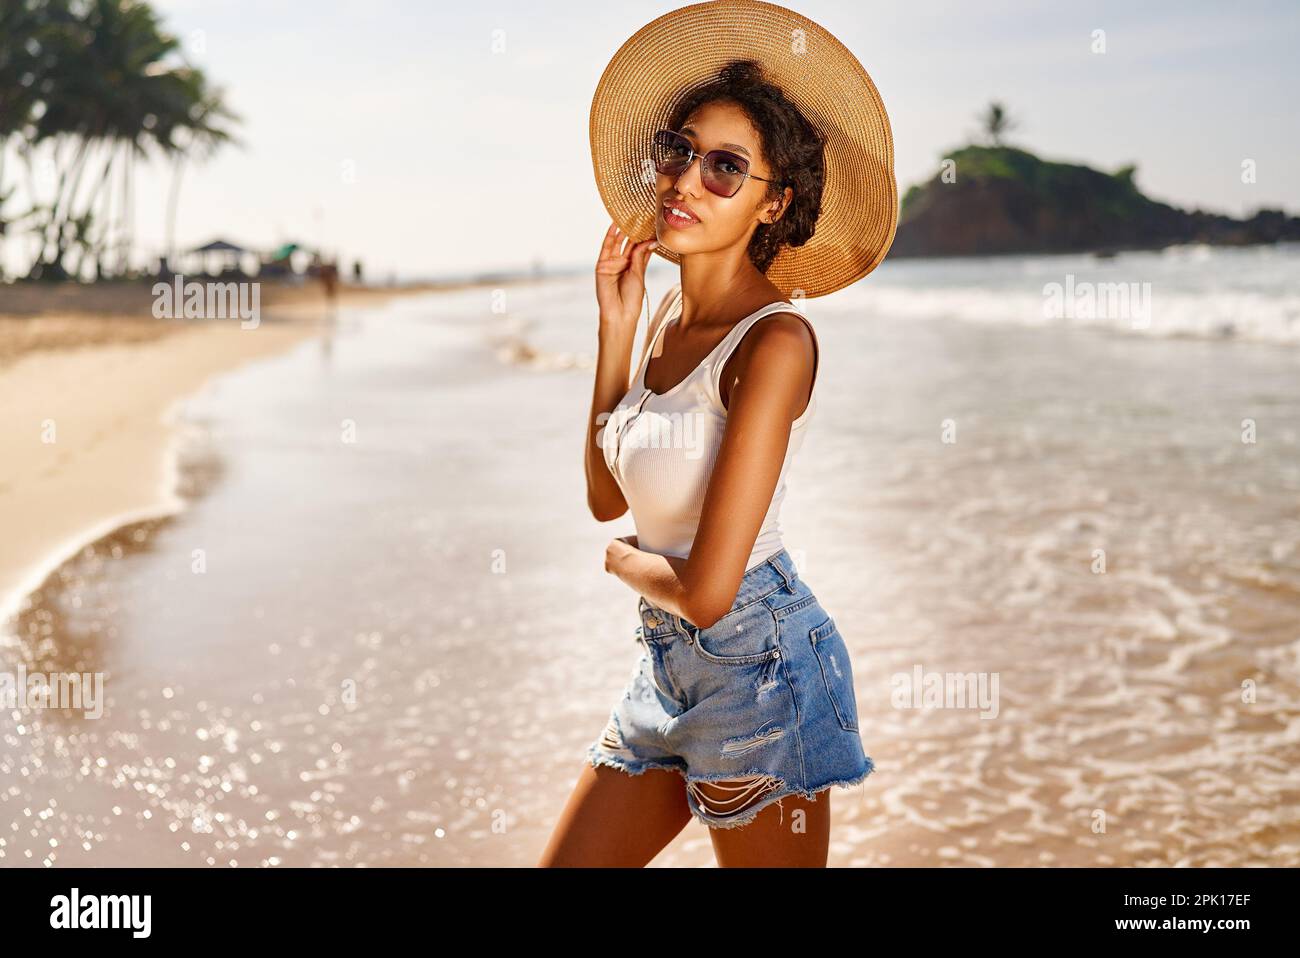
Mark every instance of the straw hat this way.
pixel 686 48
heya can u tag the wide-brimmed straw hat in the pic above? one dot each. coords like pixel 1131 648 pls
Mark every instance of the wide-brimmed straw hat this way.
pixel 687 48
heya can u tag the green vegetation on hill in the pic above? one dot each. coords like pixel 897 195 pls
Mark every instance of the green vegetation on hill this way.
pixel 1001 199
pixel 1058 184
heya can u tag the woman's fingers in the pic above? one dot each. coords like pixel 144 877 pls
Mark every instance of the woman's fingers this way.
pixel 613 263
pixel 618 252
pixel 613 242
pixel 607 244
pixel 642 255
pixel 611 259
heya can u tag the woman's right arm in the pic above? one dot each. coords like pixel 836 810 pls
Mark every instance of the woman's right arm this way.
pixel 620 287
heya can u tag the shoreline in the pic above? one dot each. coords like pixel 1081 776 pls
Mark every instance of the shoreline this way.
pixel 91 442
pixel 38 625
pixel 122 464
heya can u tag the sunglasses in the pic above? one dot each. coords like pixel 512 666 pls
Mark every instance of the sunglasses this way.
pixel 722 172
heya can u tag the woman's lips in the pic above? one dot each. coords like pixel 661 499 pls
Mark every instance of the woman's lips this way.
pixel 675 221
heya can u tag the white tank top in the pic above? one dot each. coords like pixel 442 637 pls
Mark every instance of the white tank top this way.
pixel 661 448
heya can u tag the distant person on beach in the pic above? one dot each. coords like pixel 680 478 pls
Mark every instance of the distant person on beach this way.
pixel 329 276
pixel 741 708
pixel 356 271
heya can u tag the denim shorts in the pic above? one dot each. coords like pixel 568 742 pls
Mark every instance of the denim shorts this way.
pixel 761 702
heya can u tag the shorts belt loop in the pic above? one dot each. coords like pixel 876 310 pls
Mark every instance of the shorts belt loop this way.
pixel 789 582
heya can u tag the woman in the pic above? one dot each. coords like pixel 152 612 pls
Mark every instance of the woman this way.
pixel 741 708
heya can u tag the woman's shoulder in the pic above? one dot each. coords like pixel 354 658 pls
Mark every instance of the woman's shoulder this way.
pixel 780 344
pixel 781 337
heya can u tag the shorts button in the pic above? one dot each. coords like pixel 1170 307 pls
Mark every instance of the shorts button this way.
pixel 652 622
pixel 776 654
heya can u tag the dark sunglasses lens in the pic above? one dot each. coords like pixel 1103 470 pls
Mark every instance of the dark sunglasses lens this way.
pixel 672 153
pixel 724 173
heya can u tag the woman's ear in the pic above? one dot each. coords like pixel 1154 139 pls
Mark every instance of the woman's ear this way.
pixel 778 206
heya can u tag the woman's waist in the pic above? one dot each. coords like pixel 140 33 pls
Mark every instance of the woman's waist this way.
pixel 674 534
pixel 774 572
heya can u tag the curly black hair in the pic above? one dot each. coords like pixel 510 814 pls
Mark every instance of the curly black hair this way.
pixel 793 147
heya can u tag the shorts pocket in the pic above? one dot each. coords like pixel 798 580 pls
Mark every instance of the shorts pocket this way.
pixel 744 636
pixel 833 656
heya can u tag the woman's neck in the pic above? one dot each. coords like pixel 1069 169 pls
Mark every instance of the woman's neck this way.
pixel 713 284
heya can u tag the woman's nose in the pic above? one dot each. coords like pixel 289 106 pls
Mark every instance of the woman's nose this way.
pixel 694 168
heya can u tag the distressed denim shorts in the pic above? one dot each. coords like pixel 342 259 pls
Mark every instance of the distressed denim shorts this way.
pixel 761 703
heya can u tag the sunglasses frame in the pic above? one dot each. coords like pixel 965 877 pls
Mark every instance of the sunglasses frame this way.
pixel 706 164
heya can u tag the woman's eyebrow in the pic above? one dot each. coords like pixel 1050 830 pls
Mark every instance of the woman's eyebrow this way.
pixel 728 146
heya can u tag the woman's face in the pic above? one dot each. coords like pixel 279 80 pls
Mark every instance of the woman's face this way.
pixel 720 222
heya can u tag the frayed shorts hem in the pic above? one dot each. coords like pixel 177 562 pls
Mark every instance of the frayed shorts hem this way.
pixel 776 796
pixel 597 757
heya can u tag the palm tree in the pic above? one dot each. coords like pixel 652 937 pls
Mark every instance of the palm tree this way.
pixel 112 87
pixel 996 123
pixel 26 52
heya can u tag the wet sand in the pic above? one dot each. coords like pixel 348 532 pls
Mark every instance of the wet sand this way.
pixel 88 379
pixel 87 442
pixel 403 638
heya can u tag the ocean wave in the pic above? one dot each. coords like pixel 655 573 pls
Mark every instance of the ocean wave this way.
pixel 1187 291
pixel 1253 317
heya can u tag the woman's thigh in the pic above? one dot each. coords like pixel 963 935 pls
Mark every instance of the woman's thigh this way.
pixel 617 820
pixel 792 833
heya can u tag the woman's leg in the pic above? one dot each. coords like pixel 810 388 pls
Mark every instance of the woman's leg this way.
pixel 617 820
pixel 792 833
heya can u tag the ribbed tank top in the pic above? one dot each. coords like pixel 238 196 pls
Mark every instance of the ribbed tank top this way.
pixel 661 447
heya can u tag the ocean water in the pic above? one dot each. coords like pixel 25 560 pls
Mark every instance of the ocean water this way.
pixel 1247 293
pixel 402 637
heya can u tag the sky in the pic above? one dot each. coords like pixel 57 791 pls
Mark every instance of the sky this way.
pixel 391 130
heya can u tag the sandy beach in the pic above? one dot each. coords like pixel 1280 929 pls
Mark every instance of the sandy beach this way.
pixel 88 384
pixel 403 638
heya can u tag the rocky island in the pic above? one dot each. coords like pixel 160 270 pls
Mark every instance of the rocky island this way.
pixel 1001 199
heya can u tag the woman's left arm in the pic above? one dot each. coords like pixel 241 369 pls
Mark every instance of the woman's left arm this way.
pixel 771 387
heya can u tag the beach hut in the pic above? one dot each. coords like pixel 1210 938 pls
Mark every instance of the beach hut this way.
pixel 218 258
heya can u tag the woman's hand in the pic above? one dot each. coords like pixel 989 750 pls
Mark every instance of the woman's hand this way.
pixel 656 578
pixel 617 549
pixel 620 278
